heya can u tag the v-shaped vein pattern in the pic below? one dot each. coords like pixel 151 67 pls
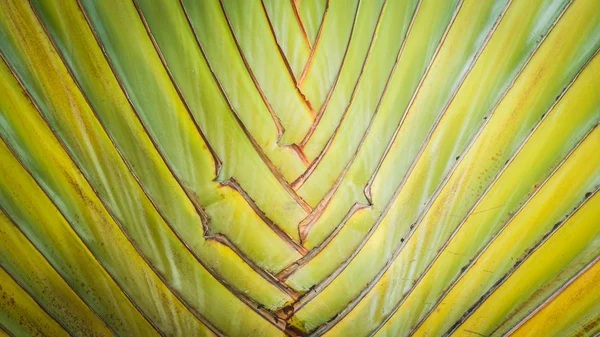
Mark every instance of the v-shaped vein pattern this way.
pixel 301 167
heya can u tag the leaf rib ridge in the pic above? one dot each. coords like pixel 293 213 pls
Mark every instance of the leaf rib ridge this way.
pixel 220 238
pixel 4 330
pixel 230 182
pixel 519 262
pixel 471 211
pixel 553 296
pixel 14 223
pixel 357 206
pixel 330 237
pixel 274 116
pixel 308 296
pixel 286 62
pixel 43 309
pixel 313 49
pixel 132 242
pixel 311 218
pixel 505 167
pixel 295 5
pixel 113 278
pixel 298 182
pixel 253 141
pixel 498 175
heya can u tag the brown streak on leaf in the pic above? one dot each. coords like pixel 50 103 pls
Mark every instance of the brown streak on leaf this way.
pixel 296 7
pixel 286 62
pixel 315 47
pixel 276 120
pixel 319 115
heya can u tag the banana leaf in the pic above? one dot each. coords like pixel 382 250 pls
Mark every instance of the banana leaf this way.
pixel 299 168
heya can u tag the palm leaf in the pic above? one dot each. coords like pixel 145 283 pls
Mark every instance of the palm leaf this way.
pixel 302 167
